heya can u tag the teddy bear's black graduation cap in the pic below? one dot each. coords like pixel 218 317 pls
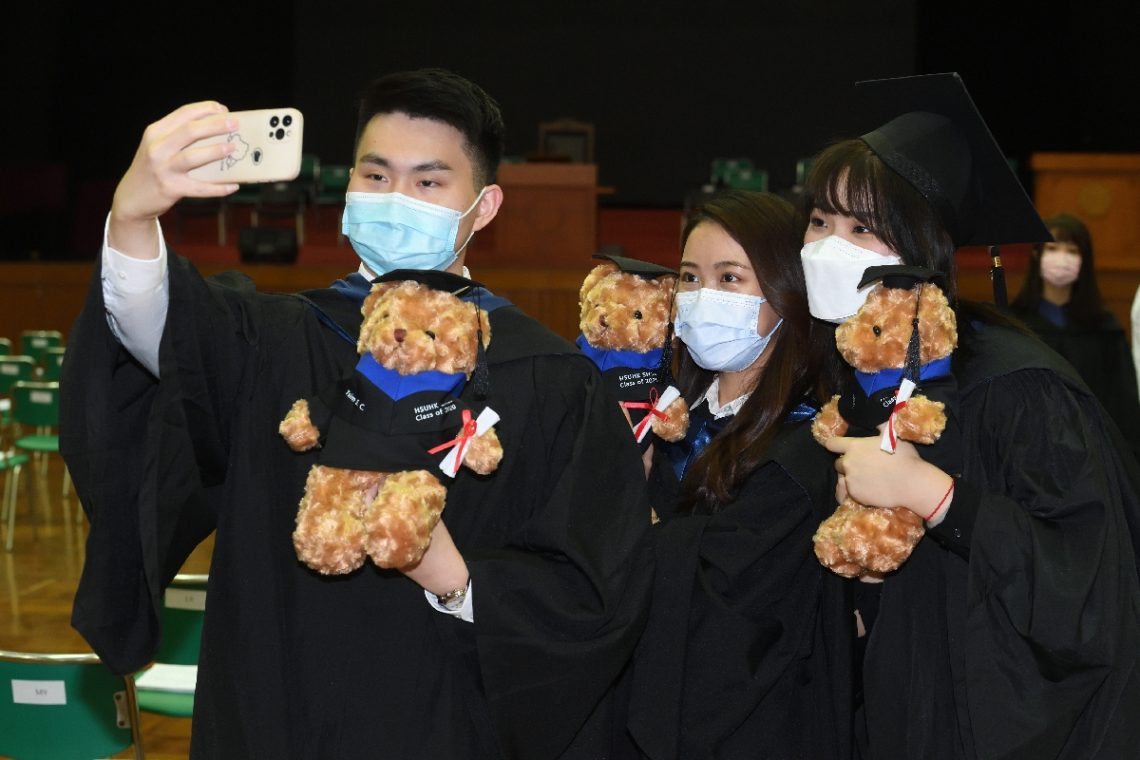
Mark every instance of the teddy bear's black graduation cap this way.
pixel 433 278
pixel 900 276
pixel 645 269
pixel 933 136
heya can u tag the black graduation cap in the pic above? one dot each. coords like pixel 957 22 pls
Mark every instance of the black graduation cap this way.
pixel 435 279
pixel 933 136
pixel 645 269
pixel 456 285
pixel 900 276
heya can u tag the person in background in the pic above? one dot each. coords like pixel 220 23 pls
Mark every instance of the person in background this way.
pixel 1013 630
pixel 505 638
pixel 748 648
pixel 1060 300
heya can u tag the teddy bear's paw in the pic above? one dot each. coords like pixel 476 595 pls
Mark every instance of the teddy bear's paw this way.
pixel 828 543
pixel 484 453
pixel 676 422
pixel 297 429
pixel 921 420
pixel 829 422
pixel 400 520
pixel 330 541
pixel 881 539
pixel 831 557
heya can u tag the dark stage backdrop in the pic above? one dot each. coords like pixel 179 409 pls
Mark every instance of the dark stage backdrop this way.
pixel 669 85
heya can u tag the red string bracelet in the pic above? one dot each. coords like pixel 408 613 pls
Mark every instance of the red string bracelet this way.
pixel 942 503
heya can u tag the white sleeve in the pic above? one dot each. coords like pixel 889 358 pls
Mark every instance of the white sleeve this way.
pixel 1136 332
pixel 136 293
pixel 466 612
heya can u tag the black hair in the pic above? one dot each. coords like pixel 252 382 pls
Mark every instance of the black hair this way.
pixel 848 178
pixel 768 230
pixel 443 96
pixel 1086 306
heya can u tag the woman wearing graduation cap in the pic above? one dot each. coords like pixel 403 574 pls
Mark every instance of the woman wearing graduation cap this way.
pixel 744 654
pixel 1012 629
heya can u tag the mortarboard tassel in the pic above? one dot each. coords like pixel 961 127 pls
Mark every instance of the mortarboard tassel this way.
pixel 480 376
pixel 997 276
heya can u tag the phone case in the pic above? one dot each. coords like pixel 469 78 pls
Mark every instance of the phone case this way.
pixel 268 148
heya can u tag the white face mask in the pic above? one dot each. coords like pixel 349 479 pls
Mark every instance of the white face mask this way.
pixel 833 268
pixel 719 328
pixel 1060 268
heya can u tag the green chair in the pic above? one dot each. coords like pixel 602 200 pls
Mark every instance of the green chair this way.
pixel 308 178
pixel 748 179
pixel 10 464
pixel 183 612
pixel 52 363
pixel 65 707
pixel 35 404
pixel 803 169
pixel 12 369
pixel 5 347
pixel 33 343
pixel 724 168
pixel 332 184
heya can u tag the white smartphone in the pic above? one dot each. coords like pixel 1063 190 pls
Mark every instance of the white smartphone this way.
pixel 268 148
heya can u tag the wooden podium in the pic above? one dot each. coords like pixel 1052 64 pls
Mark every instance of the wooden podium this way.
pixel 549 216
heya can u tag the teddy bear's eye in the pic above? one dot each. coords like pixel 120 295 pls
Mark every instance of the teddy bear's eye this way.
pixel 637 315
pixel 877 330
pixel 431 335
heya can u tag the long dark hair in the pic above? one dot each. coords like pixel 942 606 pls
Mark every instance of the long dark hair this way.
pixel 769 231
pixel 1086 306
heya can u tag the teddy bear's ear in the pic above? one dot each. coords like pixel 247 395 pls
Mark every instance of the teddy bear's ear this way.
pixel 596 275
pixel 374 295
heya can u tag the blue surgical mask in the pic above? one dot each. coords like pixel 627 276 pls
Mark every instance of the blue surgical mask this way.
pixel 719 328
pixel 392 231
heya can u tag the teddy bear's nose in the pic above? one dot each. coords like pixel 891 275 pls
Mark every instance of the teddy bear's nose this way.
pixel 602 321
pixel 398 334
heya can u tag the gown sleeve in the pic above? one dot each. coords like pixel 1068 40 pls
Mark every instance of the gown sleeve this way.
pixel 1050 632
pixel 147 455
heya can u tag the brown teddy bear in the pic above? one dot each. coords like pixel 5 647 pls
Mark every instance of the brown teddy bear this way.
pixel 625 324
pixel 384 428
pixel 899 341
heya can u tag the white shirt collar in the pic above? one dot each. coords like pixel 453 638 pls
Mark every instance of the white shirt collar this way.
pixel 712 397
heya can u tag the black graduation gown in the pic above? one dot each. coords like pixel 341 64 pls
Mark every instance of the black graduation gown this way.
pixel 1103 357
pixel 1012 630
pixel 297 665
pixel 748 650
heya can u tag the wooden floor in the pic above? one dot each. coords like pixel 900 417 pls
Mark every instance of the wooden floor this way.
pixel 37 584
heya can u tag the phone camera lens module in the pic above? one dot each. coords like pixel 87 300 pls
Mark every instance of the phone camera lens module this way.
pixel 273 122
pixel 280 133
pixel 287 120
